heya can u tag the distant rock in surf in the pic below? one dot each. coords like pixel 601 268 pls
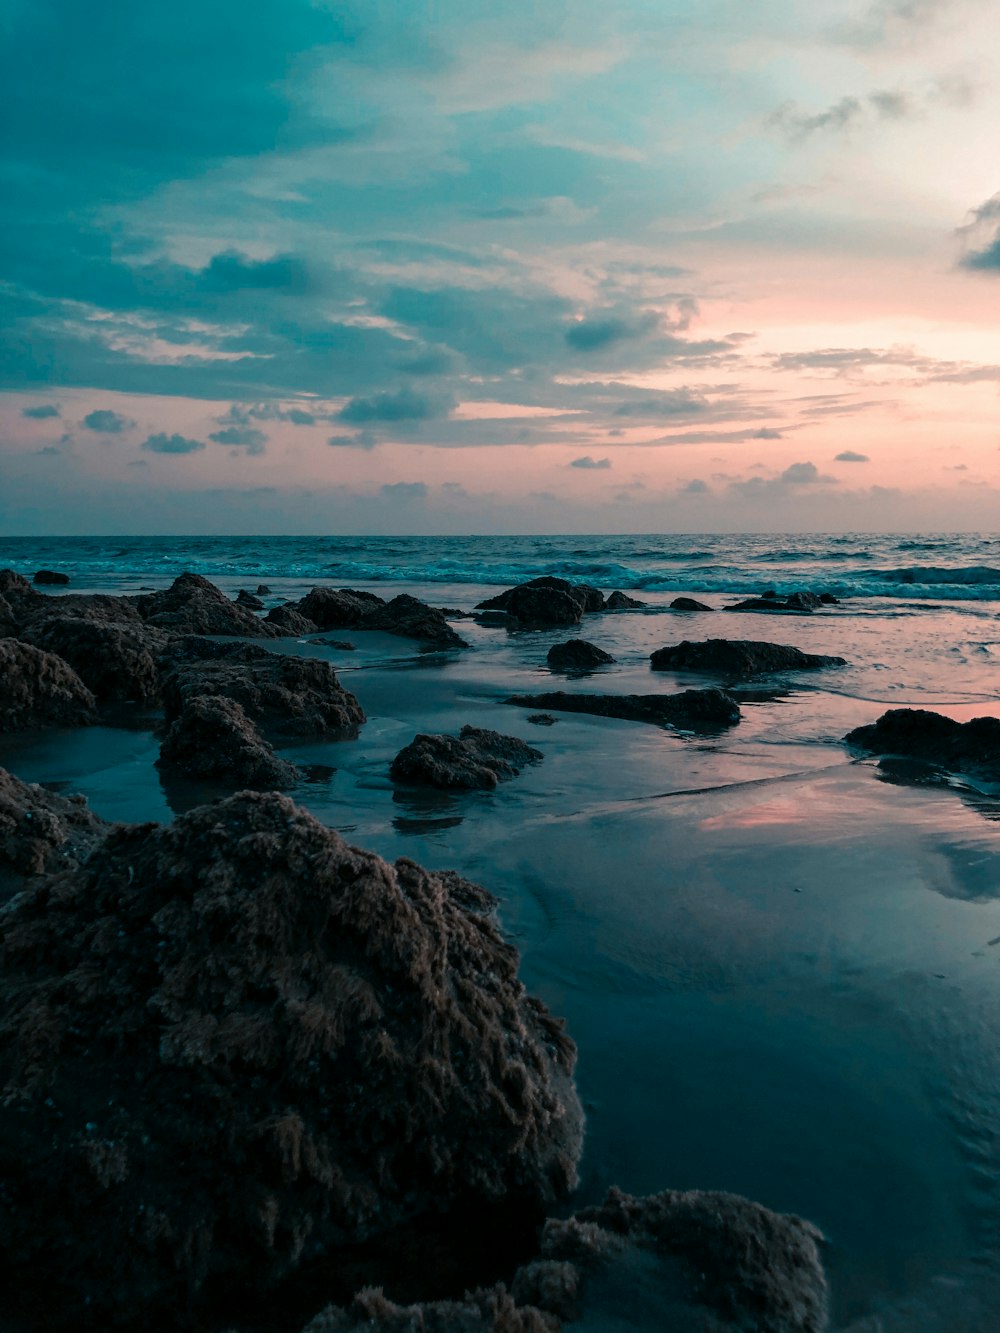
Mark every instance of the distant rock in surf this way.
pixel 248 600
pixel 738 657
pixel 546 601
pixel 577 653
pixel 688 604
pixel 619 601
pixel 690 708
pixel 51 577
pixel 915 733
pixel 40 690
pixel 796 603
pixel 477 759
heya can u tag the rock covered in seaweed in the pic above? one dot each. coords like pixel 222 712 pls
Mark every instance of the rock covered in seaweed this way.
pixel 212 738
pixel 40 690
pixel 41 832
pixel 116 661
pixel 577 653
pixel 236 1040
pixel 475 760
pixel 193 605
pixel 688 709
pixel 290 621
pixel 413 619
pixel 916 733
pixel 738 657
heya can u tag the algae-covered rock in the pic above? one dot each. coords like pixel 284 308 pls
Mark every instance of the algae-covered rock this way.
pixel 38 689
pixel 193 605
pixel 916 733
pixel 212 737
pixel 576 654
pixel 116 661
pixel 41 832
pixel 476 759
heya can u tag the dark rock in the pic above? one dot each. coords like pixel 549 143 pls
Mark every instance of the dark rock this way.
pixel 482 1311
pixel 344 645
pixel 40 832
pixel 288 697
pixel 50 576
pixel 803 601
pixel 16 584
pixel 541 719
pixel 828 599
pixel 576 653
pixel 213 738
pixel 116 662
pixel 412 619
pixel 192 605
pixel 290 621
pixel 593 598
pixel 8 621
pixel 40 690
pixel 98 607
pixel 620 601
pixel 738 657
pixel 236 1040
pixel 916 733
pixel 495 619
pixel 329 608
pixel 689 709
pixel 537 607
pixel 247 599
pixel 263 590
pixel 769 605
pixel 187 648
pixel 688 604
pixel 476 760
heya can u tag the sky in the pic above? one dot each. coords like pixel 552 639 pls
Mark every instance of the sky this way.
pixel 450 266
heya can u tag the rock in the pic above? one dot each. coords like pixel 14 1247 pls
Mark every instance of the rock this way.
pixel 247 599
pixel 537 607
pixel 41 832
pixel 263 590
pixel 236 1041
pixel 738 657
pixel 796 603
pixel 828 599
pixel 213 738
pixel 291 622
pixel 329 608
pixel 495 620
pixel 50 576
pixel 688 604
pixel 8 621
pixel 593 597
pixel 576 653
pixel 803 601
pixel 40 690
pixel 916 733
pixel 192 605
pixel 287 697
pixel 413 619
pixel 16 584
pixel 480 1311
pixel 541 719
pixel 100 608
pixel 344 645
pixel 116 662
pixel 477 760
pixel 690 709
pixel 619 601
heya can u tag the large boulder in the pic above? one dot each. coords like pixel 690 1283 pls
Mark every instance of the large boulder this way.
pixel 290 622
pixel 41 832
pixel 738 657
pixel 916 733
pixel 116 662
pixel 576 654
pixel 539 607
pixel 235 1042
pixel 476 760
pixel 213 738
pixel 413 619
pixel 333 608
pixel 192 605
pixel 40 690
pixel 690 709
pixel 287 697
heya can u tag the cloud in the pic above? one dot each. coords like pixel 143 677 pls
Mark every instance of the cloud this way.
pixel 594 333
pixel 591 463
pixel 669 403
pixel 803 474
pixel 49 451
pixel 982 232
pixel 362 439
pixel 403 405
pixel 40 413
pixel 799 125
pixel 171 444
pixel 243 437
pixel 766 433
pixel 695 487
pixel 849 456
pixel 407 491
pixel 106 422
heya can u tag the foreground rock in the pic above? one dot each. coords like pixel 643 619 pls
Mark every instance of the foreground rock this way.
pixel 413 619
pixel 236 1040
pixel 213 738
pixel 97 607
pixel 192 605
pixel 287 697
pixel 477 759
pixel 117 662
pixel 916 733
pixel 41 832
pixel 738 657
pixel 577 653
pixel 38 689
pixel 694 1262
pixel 689 709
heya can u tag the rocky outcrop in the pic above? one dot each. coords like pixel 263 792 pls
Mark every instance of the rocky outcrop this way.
pixel 99 608
pixel 247 599
pixel 21 598
pixel 40 832
pixel 40 690
pixel 476 760
pixel 291 622
pixel 50 577
pixel 916 733
pixel 234 1041
pixel 413 619
pixel 332 608
pixel 546 601
pixel 192 605
pixel 620 601
pixel 576 654
pixel 116 662
pixel 691 709
pixel 738 657
pixel 287 697
pixel 212 738
pixel 688 604
pixel 677 1261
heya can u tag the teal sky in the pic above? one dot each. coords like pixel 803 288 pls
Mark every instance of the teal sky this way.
pixel 449 265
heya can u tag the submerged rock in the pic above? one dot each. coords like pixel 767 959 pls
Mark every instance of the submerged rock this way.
pixel 577 653
pixel 738 657
pixel 620 601
pixel 51 577
pixel 291 622
pixel 192 605
pixel 413 619
pixel 688 604
pixel 476 760
pixel 236 1040
pixel 116 662
pixel 40 690
pixel 916 733
pixel 689 709
pixel 41 832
